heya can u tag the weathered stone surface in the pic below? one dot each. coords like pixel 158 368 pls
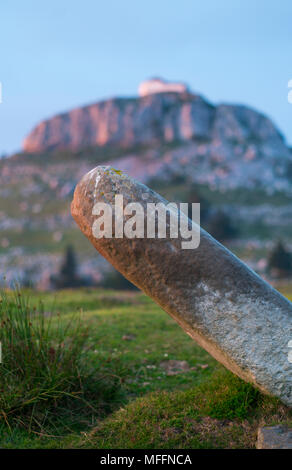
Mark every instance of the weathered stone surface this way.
pixel 223 305
pixel 274 437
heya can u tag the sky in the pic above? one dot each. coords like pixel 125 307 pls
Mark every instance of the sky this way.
pixel 64 53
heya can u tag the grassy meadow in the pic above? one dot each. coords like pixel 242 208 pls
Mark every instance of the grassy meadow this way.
pixel 104 369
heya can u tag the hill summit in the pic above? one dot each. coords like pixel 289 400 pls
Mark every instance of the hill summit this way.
pixel 164 111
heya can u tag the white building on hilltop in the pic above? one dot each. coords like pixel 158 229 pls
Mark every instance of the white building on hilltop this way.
pixel 157 85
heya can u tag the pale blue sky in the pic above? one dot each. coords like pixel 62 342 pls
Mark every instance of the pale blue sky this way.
pixel 64 53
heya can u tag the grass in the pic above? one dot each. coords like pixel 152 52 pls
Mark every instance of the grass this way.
pixel 218 413
pixel 43 375
pixel 115 392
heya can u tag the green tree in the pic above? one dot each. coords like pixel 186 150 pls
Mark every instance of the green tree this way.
pixel 193 196
pixel 68 276
pixel 220 226
pixel 280 261
pixel 69 266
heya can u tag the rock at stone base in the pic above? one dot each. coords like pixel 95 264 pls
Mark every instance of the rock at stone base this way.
pixel 274 437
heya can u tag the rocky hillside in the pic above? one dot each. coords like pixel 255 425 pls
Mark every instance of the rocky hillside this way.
pixel 230 157
pixel 224 146
pixel 160 117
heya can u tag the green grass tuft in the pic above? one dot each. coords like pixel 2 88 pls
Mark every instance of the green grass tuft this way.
pixel 236 399
pixel 43 374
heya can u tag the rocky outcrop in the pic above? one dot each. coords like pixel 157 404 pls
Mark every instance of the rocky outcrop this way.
pixel 168 135
pixel 156 118
pixel 125 122
pixel 274 437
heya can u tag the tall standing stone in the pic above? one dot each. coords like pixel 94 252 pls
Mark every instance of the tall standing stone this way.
pixel 222 304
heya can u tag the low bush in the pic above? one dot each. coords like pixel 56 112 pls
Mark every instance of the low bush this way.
pixel 43 372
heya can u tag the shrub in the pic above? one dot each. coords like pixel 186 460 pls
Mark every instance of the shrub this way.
pixel 280 261
pixel 68 276
pixel 194 196
pixel 43 367
pixel 220 227
pixel 115 280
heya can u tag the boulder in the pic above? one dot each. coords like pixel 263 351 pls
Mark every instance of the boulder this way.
pixel 274 437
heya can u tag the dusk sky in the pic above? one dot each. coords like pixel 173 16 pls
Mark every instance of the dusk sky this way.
pixel 61 54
